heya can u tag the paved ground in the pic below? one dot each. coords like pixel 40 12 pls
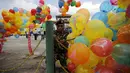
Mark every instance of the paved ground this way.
pixel 16 50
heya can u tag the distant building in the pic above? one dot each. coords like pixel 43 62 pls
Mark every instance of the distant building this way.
pixel 65 18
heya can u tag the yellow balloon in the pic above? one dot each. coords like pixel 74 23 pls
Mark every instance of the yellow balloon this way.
pixel 85 12
pixel 94 29
pixel 123 3
pixel 81 69
pixel 118 20
pixel 32 18
pixel 92 62
pixel 17 14
pixel 108 33
pixel 68 61
pixel 69 37
pixel 110 14
pixel 28 14
pixel 78 23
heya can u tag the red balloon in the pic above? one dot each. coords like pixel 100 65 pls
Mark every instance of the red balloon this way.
pixel 106 70
pixel 12 11
pixel 98 67
pixel 33 11
pixel 71 67
pixel 114 2
pixel 49 17
pixel 128 11
pixel 41 1
pixel 126 69
pixel 111 63
pixel 69 1
pixel 102 47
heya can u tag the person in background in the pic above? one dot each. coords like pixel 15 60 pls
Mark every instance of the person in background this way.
pixel 60 35
pixel 35 34
pixel 26 34
pixel 42 33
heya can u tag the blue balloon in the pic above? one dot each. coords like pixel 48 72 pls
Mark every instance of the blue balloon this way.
pixel 1 25
pixel 120 10
pixel 82 39
pixel 2 31
pixel 106 6
pixel 100 16
pixel 15 9
pixel 115 34
pixel 25 21
pixel 25 11
pixel 60 3
pixel 16 36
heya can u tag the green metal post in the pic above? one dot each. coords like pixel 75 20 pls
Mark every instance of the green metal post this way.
pixel 49 47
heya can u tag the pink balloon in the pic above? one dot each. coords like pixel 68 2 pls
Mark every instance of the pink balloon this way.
pixel 102 47
pixel 31 26
pixel 21 10
pixel 113 2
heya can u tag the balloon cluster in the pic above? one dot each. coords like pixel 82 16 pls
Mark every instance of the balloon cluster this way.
pixel 100 45
pixel 17 19
pixel 41 13
pixel 64 6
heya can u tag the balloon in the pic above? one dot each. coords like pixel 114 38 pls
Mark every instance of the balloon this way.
pixel 128 11
pixel 123 34
pixel 1 25
pixel 78 4
pixel 49 16
pixel 42 2
pixel 61 3
pixel 111 63
pixel 81 69
pixel 100 16
pixel 106 7
pixel 102 47
pixel 78 53
pixel 106 70
pixel 113 2
pixel 123 4
pixel 1 35
pixel 66 6
pixel 120 10
pixel 77 23
pixel 114 34
pixel 121 54
pixel 21 10
pixel 39 9
pixel 70 38
pixel 15 9
pixel 82 39
pixel 2 31
pixel 92 61
pixel 108 34
pixel 16 36
pixel 85 12
pixel 94 29
pixel 117 21
pixel 33 11
pixel 12 11
pixel 31 26
pixel 71 67
pixel 25 11
pixel 73 3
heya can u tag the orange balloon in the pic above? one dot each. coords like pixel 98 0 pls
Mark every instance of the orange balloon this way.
pixel 78 4
pixel 78 53
pixel 66 6
pixel 123 34
pixel 64 14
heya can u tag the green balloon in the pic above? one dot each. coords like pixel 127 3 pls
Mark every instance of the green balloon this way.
pixel 82 39
pixel 121 54
pixel 73 3
pixel 1 35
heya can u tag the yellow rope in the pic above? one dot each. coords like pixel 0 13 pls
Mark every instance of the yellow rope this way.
pixel 39 64
pixel 22 63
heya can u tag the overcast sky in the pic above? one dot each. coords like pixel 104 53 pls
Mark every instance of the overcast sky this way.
pixel 91 5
